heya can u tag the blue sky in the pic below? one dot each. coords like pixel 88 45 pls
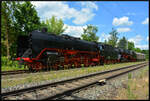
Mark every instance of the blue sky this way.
pixel 129 18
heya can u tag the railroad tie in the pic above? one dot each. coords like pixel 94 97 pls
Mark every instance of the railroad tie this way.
pixel 90 79
pixel 97 77
pixel 83 81
pixel 55 90
pixel 43 92
pixel 10 98
pixel 71 85
pixel 27 96
pixel 63 87
pixel 77 83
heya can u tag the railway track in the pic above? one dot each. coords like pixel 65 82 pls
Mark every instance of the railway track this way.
pixel 61 88
pixel 14 72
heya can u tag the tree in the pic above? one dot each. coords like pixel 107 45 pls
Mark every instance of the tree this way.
pixel 146 52
pixel 113 38
pixel 105 42
pixel 6 24
pixel 26 17
pixel 90 33
pixel 54 25
pixel 122 43
pixel 130 45
pixel 17 19
pixel 137 50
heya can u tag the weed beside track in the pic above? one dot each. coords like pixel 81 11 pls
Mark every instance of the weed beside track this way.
pixel 64 87
pixel 56 75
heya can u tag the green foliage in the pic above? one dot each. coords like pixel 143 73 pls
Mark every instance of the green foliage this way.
pixel 90 33
pixel 26 17
pixel 146 52
pixel 130 94
pixel 137 50
pixel 122 43
pixel 113 38
pixel 3 49
pixel 54 25
pixel 17 19
pixel 6 26
pixel 129 75
pixel 130 45
pixel 7 62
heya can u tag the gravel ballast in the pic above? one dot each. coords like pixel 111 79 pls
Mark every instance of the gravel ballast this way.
pixel 107 91
pixel 93 93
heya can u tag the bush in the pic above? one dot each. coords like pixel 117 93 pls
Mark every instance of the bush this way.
pixel 6 62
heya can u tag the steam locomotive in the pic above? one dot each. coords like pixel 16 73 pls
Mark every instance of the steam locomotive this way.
pixel 44 51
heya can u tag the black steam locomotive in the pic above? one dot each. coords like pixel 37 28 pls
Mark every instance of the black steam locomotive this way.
pixel 44 51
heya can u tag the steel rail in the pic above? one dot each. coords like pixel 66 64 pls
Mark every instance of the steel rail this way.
pixel 32 89
pixel 22 71
pixel 14 72
pixel 68 92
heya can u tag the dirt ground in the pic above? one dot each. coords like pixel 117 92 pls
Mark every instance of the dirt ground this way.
pixel 136 88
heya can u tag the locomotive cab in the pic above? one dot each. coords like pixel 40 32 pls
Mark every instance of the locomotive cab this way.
pixel 101 49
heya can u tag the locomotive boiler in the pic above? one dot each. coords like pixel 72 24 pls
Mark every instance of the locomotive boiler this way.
pixel 42 50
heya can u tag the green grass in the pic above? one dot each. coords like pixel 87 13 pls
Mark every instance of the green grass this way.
pixel 135 88
pixel 52 75
pixel 131 90
pixel 7 65
pixel 10 68
pixel 130 94
pixel 129 75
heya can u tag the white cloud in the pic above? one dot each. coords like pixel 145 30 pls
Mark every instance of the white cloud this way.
pixel 104 37
pixel 123 29
pixel 137 42
pixel 62 10
pixel 137 39
pixel 122 21
pixel 75 31
pixel 147 38
pixel 89 5
pixel 146 21
pixel 143 47
pixel 83 16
